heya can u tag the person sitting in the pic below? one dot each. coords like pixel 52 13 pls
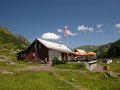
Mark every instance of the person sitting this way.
pixel 45 60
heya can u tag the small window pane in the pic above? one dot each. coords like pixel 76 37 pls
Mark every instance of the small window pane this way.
pixel 39 45
pixel 24 55
pixel 33 54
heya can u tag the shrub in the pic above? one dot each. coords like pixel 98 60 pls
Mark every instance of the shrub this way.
pixel 56 61
pixel 63 61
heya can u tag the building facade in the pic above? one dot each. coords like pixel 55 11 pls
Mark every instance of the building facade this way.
pixel 41 50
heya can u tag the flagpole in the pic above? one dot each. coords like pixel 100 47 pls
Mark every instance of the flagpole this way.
pixel 67 46
pixel 66 34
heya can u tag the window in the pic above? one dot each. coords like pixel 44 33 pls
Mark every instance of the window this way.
pixel 33 54
pixel 24 55
pixel 39 45
pixel 35 46
pixel 21 55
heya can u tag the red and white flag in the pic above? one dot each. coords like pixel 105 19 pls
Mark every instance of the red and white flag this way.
pixel 66 31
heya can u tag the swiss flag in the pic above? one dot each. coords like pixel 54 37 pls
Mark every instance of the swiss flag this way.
pixel 66 31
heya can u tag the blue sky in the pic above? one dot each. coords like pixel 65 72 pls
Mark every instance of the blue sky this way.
pixel 93 22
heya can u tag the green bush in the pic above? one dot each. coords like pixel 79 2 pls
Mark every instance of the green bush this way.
pixel 56 61
pixel 63 61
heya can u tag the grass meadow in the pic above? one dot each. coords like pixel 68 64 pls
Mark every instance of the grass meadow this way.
pixel 67 78
pixel 70 65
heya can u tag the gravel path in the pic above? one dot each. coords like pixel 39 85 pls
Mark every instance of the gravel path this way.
pixel 44 67
pixel 48 67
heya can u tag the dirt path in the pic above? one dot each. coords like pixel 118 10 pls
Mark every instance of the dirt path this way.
pixel 48 67
pixel 44 67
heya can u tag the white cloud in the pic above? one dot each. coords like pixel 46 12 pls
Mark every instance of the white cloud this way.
pixel 99 25
pixel 99 31
pixel 85 28
pixel 118 27
pixel 52 36
pixel 60 30
pixel 99 28
pixel 71 34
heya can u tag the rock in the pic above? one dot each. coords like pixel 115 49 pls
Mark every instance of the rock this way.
pixel 12 63
pixel 117 61
pixel 110 74
pixel 105 76
pixel 72 80
pixel 6 72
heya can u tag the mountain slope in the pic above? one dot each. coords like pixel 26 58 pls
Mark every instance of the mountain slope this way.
pixel 110 50
pixel 102 50
pixel 114 50
pixel 88 48
pixel 10 44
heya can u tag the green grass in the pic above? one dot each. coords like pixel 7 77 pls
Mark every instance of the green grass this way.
pixel 115 67
pixel 18 64
pixel 91 80
pixel 32 81
pixel 48 81
pixel 70 65
pixel 57 80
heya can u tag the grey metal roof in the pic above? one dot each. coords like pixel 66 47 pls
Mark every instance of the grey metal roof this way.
pixel 55 46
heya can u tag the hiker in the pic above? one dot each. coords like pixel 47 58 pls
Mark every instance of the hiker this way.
pixel 45 60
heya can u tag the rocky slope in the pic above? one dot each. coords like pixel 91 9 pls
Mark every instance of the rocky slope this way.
pixel 10 44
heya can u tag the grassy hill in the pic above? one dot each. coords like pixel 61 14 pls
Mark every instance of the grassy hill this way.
pixel 114 50
pixel 102 50
pixel 110 50
pixel 61 79
pixel 88 48
pixel 10 44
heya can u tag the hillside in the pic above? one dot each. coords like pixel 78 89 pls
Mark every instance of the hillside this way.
pixel 114 50
pixel 110 50
pixel 10 44
pixel 88 48
pixel 102 50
